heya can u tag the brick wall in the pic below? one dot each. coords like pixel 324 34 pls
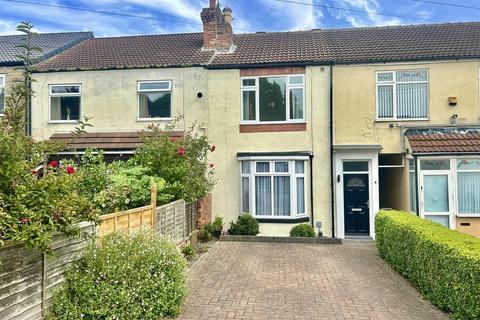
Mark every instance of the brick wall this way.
pixel 280 127
pixel 204 210
pixel 11 76
pixel 252 72
pixel 217 33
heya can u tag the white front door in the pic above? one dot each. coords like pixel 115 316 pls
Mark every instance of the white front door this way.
pixel 436 196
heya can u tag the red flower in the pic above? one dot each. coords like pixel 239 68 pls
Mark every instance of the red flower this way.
pixel 212 147
pixel 181 151
pixel 211 165
pixel 70 169
pixel 53 163
pixel 24 220
pixel 173 139
pixel 34 172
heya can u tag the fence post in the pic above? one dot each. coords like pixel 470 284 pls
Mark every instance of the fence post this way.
pixel 153 203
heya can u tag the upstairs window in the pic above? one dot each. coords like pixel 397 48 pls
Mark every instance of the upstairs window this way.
pixel 273 99
pixel 2 93
pixel 154 100
pixel 65 102
pixel 402 95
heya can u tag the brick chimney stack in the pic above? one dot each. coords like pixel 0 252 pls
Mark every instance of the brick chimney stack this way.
pixel 217 28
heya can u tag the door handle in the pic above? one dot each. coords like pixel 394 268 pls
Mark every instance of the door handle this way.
pixel 356 209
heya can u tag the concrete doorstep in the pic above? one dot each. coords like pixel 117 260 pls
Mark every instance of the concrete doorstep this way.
pixel 318 240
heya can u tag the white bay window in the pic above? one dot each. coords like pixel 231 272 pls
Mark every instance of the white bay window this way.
pixel 402 95
pixel 273 99
pixel 273 188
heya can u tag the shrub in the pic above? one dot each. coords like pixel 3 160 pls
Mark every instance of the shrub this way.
pixel 246 225
pixel 127 277
pixel 128 186
pixel 443 264
pixel 215 228
pixel 32 208
pixel 204 236
pixel 181 162
pixel 302 230
pixel 189 252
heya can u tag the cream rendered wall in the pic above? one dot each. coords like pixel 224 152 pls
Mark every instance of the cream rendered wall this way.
pixel 110 98
pixel 223 131
pixel 355 108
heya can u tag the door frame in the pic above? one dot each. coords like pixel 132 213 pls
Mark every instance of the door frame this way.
pixel 360 153
pixel 451 198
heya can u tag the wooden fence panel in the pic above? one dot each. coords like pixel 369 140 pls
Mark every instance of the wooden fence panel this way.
pixel 27 277
pixel 130 220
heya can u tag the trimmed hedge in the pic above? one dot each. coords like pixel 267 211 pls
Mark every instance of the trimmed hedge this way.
pixel 443 264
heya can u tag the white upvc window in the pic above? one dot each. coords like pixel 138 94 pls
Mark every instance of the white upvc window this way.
pixel 468 186
pixel 402 95
pixel 154 100
pixel 273 99
pixel 2 93
pixel 273 188
pixel 64 102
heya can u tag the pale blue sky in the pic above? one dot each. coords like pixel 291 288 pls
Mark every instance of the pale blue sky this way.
pixel 173 16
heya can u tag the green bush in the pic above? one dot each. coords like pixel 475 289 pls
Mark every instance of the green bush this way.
pixel 302 230
pixel 246 226
pixel 180 161
pixel 128 186
pixel 443 264
pixel 125 277
pixel 189 252
pixel 215 228
pixel 34 204
pixel 204 236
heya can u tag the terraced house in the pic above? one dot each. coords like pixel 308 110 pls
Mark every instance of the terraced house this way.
pixel 319 126
pixel 49 44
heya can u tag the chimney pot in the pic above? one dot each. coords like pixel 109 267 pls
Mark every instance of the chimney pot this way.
pixel 217 28
pixel 227 15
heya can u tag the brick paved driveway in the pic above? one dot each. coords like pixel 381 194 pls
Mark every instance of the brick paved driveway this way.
pixel 240 280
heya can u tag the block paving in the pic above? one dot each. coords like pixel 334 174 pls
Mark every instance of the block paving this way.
pixel 276 281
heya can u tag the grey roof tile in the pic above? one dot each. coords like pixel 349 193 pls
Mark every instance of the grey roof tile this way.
pixel 50 43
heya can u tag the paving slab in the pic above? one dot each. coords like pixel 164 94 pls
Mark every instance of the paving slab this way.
pixel 275 281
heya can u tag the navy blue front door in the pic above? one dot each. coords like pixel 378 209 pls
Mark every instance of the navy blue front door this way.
pixel 355 198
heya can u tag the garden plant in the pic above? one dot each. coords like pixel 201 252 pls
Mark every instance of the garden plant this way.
pixel 443 264
pixel 246 225
pixel 125 276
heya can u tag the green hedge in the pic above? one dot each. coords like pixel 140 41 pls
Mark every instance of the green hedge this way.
pixel 443 264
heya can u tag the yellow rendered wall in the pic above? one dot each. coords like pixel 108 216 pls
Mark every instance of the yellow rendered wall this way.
pixel 110 98
pixel 223 130
pixel 355 102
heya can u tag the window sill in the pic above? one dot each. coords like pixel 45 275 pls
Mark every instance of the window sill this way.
pixel 63 121
pixel 272 127
pixel 153 119
pixel 466 215
pixel 401 120
pixel 282 220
